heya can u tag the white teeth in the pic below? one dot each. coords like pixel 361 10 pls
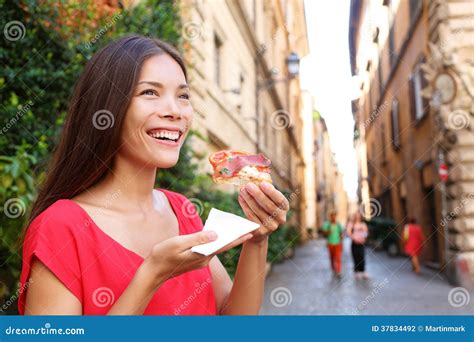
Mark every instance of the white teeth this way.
pixel 165 134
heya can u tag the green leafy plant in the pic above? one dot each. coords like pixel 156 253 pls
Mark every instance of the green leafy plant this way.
pixel 46 49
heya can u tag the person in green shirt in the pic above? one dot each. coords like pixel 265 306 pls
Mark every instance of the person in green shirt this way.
pixel 333 232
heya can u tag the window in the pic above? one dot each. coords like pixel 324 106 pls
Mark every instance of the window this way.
pixel 382 138
pixel 391 50
pixel 395 115
pixel 391 35
pixel 371 163
pixel 375 35
pixel 217 60
pixel 415 7
pixel 419 105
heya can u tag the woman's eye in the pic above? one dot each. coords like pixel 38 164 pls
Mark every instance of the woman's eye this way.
pixel 149 92
pixel 184 96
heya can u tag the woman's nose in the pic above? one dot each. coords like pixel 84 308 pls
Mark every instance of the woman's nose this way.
pixel 170 110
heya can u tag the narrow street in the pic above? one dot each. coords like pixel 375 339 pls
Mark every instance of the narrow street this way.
pixel 304 285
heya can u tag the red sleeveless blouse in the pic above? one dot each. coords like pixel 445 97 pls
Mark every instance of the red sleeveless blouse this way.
pixel 97 269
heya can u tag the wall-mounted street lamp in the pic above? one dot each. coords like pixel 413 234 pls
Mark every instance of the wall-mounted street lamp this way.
pixel 293 64
pixel 293 67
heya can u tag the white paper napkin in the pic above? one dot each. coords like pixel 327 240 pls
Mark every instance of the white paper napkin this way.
pixel 229 227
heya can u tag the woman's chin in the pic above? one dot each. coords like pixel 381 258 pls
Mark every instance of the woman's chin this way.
pixel 165 162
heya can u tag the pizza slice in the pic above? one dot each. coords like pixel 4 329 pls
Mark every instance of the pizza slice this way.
pixel 240 168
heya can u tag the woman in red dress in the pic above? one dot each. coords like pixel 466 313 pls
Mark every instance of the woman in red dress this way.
pixel 101 239
pixel 414 239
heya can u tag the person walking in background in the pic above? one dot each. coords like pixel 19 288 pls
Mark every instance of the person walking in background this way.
pixel 333 231
pixel 414 239
pixel 357 230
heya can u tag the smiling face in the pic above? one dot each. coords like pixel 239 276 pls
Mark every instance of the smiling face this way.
pixel 159 116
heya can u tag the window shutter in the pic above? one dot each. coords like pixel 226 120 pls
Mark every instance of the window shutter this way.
pixel 411 84
pixel 395 120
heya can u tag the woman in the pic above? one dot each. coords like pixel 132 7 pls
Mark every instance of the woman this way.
pixel 333 231
pixel 357 230
pixel 101 240
pixel 414 239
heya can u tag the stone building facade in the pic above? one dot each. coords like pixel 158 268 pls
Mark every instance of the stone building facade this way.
pixel 242 90
pixel 331 195
pixel 414 117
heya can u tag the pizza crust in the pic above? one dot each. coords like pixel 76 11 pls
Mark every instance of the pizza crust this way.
pixel 248 174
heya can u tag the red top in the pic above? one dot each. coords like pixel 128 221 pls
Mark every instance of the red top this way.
pixel 97 269
pixel 414 244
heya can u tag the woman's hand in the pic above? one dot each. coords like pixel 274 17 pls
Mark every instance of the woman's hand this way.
pixel 264 205
pixel 173 256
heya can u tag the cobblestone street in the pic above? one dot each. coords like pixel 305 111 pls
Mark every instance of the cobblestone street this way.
pixel 304 285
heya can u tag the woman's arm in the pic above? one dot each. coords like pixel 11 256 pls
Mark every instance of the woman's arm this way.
pixel 326 229
pixel 268 207
pixel 147 279
pixel 47 295
pixel 136 297
pixel 406 233
pixel 422 235
pixel 349 229
pixel 366 228
pixel 245 295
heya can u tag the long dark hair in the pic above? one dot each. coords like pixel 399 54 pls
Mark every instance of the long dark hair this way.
pixel 91 134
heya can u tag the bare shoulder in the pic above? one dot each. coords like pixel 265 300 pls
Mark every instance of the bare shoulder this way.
pixel 47 295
